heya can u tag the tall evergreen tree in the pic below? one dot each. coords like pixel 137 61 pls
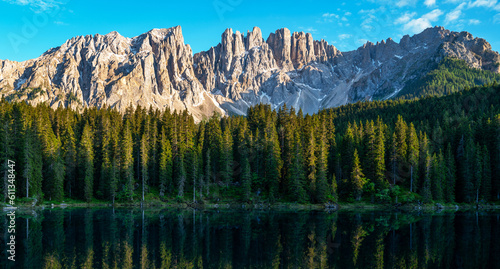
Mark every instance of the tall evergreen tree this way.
pixel 413 157
pixel 165 164
pixel 127 163
pixel 144 163
pixel 86 158
pixel 450 176
pixel 486 175
pixel 357 177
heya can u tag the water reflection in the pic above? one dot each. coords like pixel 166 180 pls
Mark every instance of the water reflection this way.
pixel 132 238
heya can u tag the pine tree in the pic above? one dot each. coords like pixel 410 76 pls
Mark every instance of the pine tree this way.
pixel 127 163
pixel 105 188
pixel 486 175
pixel 273 162
pixel 426 188
pixel 413 157
pixel 70 156
pixel 311 160
pixel 86 158
pixel 357 177
pixel 450 176
pixel 165 164
pixel 437 178
pixel 226 157
pixel 478 171
pixel 144 163
pixel 468 171
pixel 322 184
pixel 246 177
pixel 296 170
pixel 401 149
pixel 379 158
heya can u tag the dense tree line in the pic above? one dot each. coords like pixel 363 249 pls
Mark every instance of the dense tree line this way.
pixel 448 76
pixel 433 149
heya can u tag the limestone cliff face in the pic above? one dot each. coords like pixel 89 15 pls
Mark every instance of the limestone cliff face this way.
pixel 153 69
pixel 158 69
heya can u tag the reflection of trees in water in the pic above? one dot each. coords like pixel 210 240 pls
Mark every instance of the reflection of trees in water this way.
pixel 125 238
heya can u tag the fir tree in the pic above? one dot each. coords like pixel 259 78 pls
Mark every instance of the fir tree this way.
pixel 450 176
pixel 486 175
pixel 127 163
pixel 357 177
pixel 86 158
pixel 165 164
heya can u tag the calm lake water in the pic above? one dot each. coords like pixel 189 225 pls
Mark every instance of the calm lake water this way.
pixel 132 238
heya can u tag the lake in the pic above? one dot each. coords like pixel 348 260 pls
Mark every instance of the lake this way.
pixel 174 238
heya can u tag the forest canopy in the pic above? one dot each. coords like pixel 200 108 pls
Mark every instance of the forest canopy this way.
pixel 434 149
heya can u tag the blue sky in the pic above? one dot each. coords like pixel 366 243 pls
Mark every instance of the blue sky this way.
pixel 30 27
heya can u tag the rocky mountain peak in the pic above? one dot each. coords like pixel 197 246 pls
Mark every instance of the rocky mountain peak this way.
pixel 158 69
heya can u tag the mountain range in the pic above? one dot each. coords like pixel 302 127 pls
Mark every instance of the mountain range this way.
pixel 158 69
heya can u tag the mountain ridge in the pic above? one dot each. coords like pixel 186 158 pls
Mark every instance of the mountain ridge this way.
pixel 158 69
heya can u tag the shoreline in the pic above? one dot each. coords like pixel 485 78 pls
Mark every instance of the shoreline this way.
pixel 275 206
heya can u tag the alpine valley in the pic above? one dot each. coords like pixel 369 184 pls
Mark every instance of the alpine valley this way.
pixel 158 69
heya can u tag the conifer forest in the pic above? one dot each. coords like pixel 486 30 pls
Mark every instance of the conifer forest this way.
pixel 433 149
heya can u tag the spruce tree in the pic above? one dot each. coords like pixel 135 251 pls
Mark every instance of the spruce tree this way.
pixel 357 177
pixel 486 175
pixel 413 157
pixel 450 176
pixel 127 163
pixel 70 158
pixel 165 164
pixel 296 170
pixel 86 158
pixel 144 164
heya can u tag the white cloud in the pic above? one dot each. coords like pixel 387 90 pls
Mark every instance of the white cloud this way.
pixel 308 29
pixel 348 13
pixel 405 18
pixel 38 5
pixel 403 3
pixel 429 3
pixel 344 36
pixel 362 41
pixel 483 3
pixel 418 25
pixel 453 16
pixel 330 15
pixel 474 22
pixel 496 18
pixel 433 15
pixel 497 7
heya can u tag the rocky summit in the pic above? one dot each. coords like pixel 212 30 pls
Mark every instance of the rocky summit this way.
pixel 158 69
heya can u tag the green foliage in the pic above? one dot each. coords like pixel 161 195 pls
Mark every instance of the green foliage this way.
pixel 451 75
pixel 431 149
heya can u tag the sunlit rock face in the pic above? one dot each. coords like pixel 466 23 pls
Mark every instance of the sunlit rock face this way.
pixel 157 69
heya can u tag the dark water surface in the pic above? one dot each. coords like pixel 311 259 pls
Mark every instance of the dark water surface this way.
pixel 132 238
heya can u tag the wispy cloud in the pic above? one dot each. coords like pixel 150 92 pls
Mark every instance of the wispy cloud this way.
pixel 418 25
pixel 430 3
pixel 403 3
pixel 483 3
pixel 496 18
pixel 308 29
pixel 455 14
pixel 474 22
pixel 405 18
pixel 36 5
pixel 344 36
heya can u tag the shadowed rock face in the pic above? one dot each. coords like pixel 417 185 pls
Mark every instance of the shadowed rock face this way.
pixel 157 69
